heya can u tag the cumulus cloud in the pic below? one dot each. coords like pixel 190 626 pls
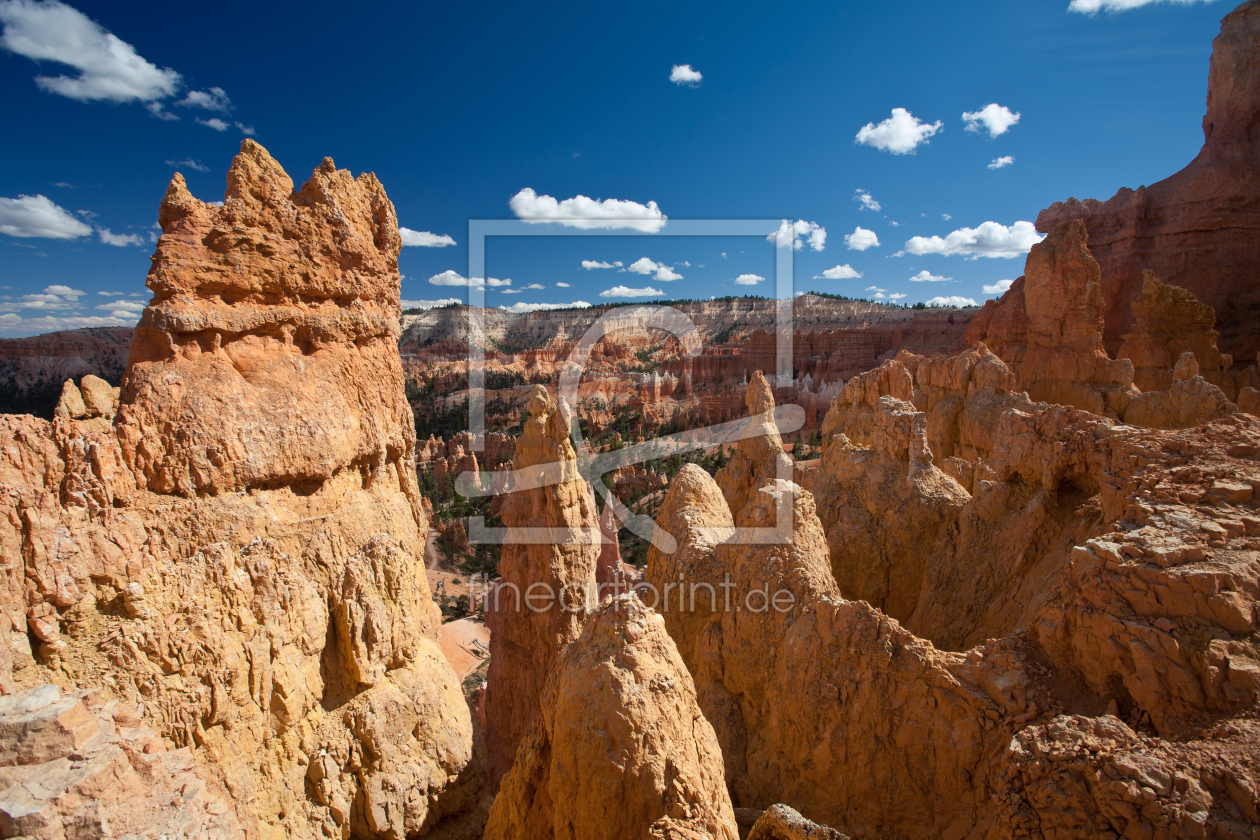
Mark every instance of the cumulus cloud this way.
pixel 798 233
pixel 748 279
pixel 37 216
pixel 900 134
pixel 124 308
pixel 189 163
pixel 589 264
pixel 896 296
pixel 1093 7
pixel 840 272
pixel 15 325
pixel 682 74
pixel 214 99
pixel 522 307
pixel 587 213
pixel 1004 160
pixel 423 239
pixel 429 304
pixel 214 122
pixel 993 118
pixel 533 287
pixel 861 239
pixel 562 285
pixel 120 240
pixel 454 278
pixel 109 69
pixel 659 271
pixel 990 239
pixel 952 300
pixel 998 288
pixel 926 276
pixel 66 291
pixel 868 203
pixel 626 291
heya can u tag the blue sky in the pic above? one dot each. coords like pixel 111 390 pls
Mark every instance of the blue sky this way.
pixel 461 107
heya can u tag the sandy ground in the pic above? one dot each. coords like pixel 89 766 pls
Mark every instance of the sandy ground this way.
pixel 466 644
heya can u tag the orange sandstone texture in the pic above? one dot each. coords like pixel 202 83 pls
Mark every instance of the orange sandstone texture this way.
pixel 620 749
pixel 525 641
pixel 240 548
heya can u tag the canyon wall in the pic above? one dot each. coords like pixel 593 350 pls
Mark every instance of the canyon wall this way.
pixel 32 370
pixel 1200 228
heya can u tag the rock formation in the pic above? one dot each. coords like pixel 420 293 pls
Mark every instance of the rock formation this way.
pixel 74 766
pixel 1200 228
pixel 530 627
pixel 758 458
pixel 1166 322
pixel 620 749
pixel 242 549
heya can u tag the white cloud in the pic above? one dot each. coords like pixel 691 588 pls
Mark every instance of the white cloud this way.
pixel 453 278
pixel 868 203
pixel 214 99
pixel 798 233
pixel 896 296
pixel 214 122
pixel 952 300
pixel 66 291
pixel 998 288
pixel 626 291
pixel 423 239
pixel 109 68
pixel 189 163
pixel 839 272
pixel 945 216
pixel 533 287
pixel 874 289
pixel 990 239
pixel 748 279
pixel 123 308
pixel 247 130
pixel 1092 7
pixel 900 134
pixel 682 74
pixel 659 271
pixel 14 324
pixel 110 294
pixel 587 213
pixel 562 285
pixel 993 118
pixel 37 216
pixel 1004 160
pixel 861 239
pixel 510 291
pixel 522 307
pixel 589 264
pixel 120 240
pixel 429 304
pixel 926 276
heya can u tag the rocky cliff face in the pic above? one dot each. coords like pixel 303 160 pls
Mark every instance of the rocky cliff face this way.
pixel 1200 228
pixel 240 548
pixel 530 628
pixel 650 766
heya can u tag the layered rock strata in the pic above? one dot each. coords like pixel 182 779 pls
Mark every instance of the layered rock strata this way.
pixel 1200 228
pixel 242 548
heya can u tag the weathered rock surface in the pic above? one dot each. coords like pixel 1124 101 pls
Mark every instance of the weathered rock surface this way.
pixel 1200 228
pixel 559 558
pixel 621 749
pixel 759 458
pixel 779 822
pixel 242 550
pixel 1167 322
